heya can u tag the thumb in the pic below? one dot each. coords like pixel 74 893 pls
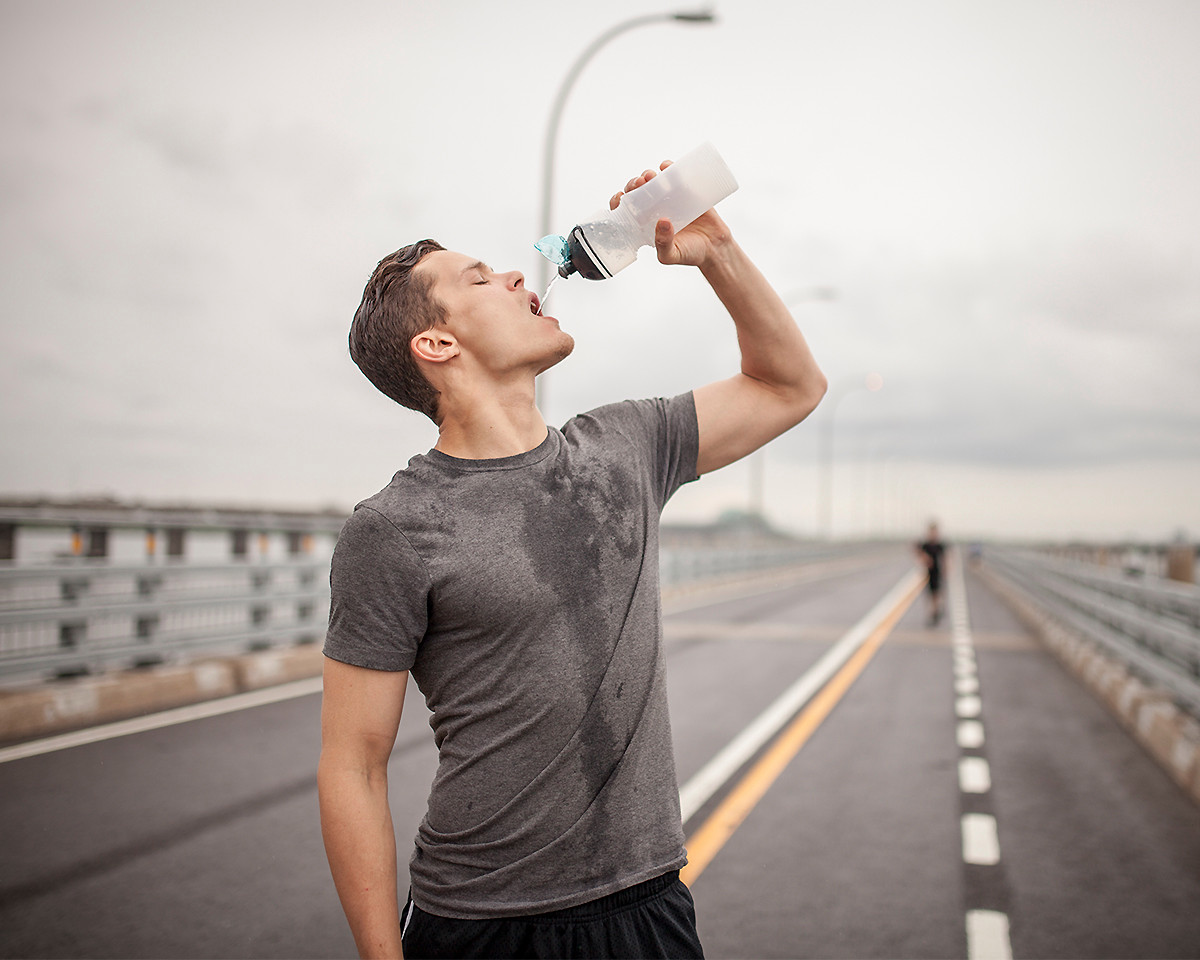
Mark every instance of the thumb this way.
pixel 664 240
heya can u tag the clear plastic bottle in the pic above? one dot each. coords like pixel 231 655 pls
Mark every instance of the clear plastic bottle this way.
pixel 605 244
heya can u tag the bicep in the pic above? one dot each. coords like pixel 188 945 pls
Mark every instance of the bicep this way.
pixel 738 415
pixel 360 711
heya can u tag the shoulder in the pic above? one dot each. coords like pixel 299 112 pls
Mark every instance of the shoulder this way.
pixel 372 551
pixel 407 495
pixel 377 532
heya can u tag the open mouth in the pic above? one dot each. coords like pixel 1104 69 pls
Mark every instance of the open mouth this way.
pixel 535 305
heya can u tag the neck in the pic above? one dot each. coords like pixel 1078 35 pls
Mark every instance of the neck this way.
pixel 491 428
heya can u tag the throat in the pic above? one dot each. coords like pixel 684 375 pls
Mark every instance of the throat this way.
pixel 491 435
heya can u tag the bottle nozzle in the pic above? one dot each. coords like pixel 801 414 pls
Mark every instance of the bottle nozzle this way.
pixel 555 249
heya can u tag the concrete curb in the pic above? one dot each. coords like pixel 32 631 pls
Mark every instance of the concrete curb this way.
pixel 88 701
pixel 1169 734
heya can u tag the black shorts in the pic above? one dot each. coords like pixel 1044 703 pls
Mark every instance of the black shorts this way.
pixel 651 919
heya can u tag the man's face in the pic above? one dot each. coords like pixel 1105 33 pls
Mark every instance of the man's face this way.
pixel 493 316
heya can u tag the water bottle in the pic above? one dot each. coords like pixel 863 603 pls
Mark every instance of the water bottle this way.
pixel 608 242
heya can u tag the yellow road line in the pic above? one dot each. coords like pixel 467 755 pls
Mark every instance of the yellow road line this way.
pixel 707 841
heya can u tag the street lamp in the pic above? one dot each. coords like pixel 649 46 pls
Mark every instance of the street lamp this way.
pixel 873 382
pixel 697 16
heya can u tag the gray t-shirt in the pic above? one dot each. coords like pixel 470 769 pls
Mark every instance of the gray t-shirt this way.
pixel 523 595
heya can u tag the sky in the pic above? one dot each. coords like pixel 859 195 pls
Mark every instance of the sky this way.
pixel 991 207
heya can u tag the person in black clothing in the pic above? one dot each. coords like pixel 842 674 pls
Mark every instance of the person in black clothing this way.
pixel 930 553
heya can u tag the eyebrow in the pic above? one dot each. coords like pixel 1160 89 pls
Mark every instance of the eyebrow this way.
pixel 477 265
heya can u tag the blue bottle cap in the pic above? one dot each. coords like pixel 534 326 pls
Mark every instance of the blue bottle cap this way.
pixel 555 249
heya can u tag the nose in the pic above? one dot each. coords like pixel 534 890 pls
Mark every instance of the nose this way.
pixel 514 279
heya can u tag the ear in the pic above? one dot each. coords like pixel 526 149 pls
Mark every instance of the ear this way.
pixel 435 345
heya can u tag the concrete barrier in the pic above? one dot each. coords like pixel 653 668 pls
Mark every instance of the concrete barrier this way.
pixel 87 701
pixel 270 667
pixel 1170 735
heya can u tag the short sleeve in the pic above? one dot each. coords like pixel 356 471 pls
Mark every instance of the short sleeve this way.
pixel 667 435
pixel 681 452
pixel 379 591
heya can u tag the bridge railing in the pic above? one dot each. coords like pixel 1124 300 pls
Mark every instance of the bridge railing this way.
pixel 687 565
pixel 74 617
pixel 1149 624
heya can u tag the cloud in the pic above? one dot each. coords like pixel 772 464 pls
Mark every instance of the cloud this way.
pixel 193 196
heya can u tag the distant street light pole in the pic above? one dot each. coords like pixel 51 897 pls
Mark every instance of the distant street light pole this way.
pixel 560 101
pixel 873 382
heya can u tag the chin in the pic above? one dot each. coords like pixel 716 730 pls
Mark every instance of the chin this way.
pixel 562 350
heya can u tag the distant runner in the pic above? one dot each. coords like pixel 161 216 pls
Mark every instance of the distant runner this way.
pixel 930 553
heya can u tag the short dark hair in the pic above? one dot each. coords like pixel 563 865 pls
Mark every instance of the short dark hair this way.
pixel 397 304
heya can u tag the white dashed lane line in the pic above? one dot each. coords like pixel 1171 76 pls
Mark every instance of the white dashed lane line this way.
pixel 987 935
pixel 981 845
pixel 974 775
pixel 985 884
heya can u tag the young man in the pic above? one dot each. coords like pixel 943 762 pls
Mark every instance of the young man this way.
pixel 513 570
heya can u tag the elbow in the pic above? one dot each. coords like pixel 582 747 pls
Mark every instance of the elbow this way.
pixel 342 772
pixel 812 392
pixel 820 387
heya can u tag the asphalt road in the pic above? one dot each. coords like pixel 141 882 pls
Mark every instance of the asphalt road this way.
pixel 201 839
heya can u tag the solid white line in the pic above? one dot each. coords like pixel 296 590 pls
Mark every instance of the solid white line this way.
pixel 697 791
pixel 167 718
pixel 987 935
pixel 974 775
pixel 981 845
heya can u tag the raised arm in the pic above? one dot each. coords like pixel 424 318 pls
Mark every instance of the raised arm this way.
pixel 779 383
pixel 360 714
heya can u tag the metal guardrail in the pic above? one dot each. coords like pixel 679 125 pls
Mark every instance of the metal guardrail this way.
pixel 687 565
pixel 1150 625
pixel 77 617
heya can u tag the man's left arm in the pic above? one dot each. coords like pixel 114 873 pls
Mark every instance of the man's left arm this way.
pixel 779 383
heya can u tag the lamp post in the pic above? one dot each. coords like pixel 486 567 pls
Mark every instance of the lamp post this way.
pixel 560 101
pixel 873 382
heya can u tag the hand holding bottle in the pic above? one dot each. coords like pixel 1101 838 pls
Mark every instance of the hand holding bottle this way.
pixel 690 246
pixel 681 193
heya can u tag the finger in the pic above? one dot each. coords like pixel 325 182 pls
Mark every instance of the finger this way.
pixel 645 177
pixel 665 164
pixel 615 199
pixel 664 240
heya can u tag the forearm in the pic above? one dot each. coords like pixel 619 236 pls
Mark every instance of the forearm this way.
pixel 360 842
pixel 773 350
